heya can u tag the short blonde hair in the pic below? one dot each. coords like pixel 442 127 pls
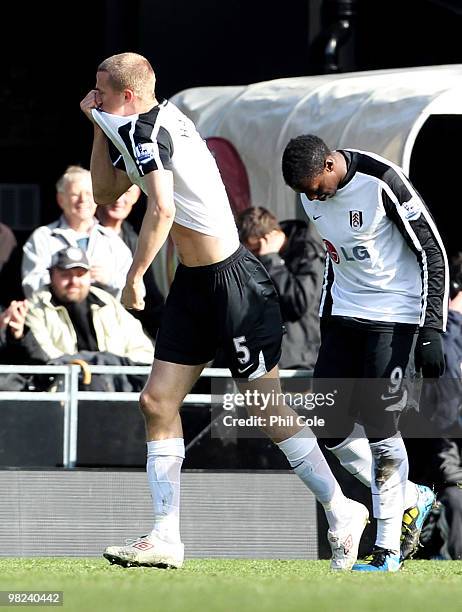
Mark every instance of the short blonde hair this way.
pixel 130 71
pixel 69 175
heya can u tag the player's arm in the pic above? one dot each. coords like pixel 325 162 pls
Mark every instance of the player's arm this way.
pixel 406 208
pixel 109 183
pixel 156 225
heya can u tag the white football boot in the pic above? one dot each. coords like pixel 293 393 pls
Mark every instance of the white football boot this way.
pixel 148 551
pixel 345 542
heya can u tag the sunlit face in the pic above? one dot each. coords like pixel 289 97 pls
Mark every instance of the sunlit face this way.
pixel 77 200
pixel 321 187
pixel 123 205
pixel 107 98
pixel 70 285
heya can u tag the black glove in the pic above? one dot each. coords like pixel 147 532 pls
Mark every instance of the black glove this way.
pixel 429 355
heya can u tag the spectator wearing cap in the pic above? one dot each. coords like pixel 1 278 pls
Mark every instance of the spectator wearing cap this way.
pixel 71 315
pixel 109 256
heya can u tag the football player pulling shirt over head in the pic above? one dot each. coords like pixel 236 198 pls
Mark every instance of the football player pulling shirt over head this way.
pixel 221 296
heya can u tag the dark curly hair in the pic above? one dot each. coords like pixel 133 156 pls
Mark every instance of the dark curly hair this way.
pixel 303 159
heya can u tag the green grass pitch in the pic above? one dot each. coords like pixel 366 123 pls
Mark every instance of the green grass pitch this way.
pixel 241 585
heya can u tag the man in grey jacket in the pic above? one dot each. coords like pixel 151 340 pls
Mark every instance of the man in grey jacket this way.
pixel 109 256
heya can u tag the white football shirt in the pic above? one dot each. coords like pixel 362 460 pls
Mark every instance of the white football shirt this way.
pixel 164 138
pixel 388 260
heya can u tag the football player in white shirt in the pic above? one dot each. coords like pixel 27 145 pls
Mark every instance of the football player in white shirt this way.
pixel 385 283
pixel 221 297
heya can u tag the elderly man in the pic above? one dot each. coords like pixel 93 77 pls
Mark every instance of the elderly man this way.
pixel 109 257
pixel 71 316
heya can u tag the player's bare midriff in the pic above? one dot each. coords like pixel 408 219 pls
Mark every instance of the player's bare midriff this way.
pixel 196 249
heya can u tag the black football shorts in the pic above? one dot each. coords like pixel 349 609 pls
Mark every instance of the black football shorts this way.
pixel 232 306
pixel 365 362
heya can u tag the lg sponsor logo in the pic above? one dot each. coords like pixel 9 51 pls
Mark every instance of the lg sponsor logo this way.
pixel 357 253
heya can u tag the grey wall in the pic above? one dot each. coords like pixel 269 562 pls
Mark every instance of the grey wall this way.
pixel 79 513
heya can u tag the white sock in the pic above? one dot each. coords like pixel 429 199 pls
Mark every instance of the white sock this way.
pixel 354 454
pixel 386 533
pixel 411 495
pixel 308 462
pixel 163 468
pixel 390 470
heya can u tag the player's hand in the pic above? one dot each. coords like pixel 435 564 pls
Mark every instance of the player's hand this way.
pixel 133 295
pixel 429 354
pixel 90 102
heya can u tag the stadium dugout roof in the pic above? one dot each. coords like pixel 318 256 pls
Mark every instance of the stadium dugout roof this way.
pixel 380 111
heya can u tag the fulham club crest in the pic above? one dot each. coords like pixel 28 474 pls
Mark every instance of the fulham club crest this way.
pixel 356 219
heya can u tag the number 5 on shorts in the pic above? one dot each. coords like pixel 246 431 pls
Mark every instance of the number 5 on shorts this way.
pixel 243 353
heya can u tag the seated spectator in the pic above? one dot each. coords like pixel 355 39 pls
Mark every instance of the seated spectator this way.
pixel 109 256
pixel 17 345
pixel 71 319
pixel 114 216
pixel 294 258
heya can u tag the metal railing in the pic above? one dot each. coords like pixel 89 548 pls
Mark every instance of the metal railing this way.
pixel 70 395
